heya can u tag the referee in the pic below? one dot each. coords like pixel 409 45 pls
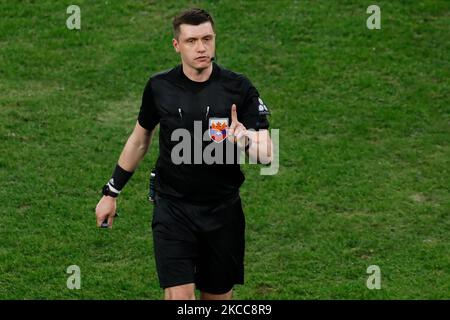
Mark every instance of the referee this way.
pixel 198 223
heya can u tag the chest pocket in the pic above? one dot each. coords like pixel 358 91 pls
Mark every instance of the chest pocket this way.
pixel 171 119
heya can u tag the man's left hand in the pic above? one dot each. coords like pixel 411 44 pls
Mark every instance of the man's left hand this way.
pixel 237 131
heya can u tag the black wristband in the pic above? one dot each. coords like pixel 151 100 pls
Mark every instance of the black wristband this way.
pixel 119 179
pixel 107 192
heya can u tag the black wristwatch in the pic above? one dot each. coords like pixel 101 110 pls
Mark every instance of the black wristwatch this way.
pixel 107 192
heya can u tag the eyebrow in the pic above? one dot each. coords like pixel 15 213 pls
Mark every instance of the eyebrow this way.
pixel 205 36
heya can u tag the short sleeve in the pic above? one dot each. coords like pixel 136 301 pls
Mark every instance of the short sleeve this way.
pixel 254 111
pixel 148 115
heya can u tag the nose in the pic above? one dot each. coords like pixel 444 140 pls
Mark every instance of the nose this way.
pixel 201 47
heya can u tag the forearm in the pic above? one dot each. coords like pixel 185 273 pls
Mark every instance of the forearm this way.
pixel 133 152
pixel 260 146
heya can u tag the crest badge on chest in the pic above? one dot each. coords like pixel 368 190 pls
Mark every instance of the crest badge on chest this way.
pixel 218 129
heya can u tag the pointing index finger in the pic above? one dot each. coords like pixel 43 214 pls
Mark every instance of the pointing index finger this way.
pixel 233 113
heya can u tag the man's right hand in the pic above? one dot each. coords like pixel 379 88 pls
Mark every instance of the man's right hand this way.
pixel 106 209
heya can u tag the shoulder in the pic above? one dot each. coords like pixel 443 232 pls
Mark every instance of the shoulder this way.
pixel 235 80
pixel 157 82
pixel 230 76
pixel 166 75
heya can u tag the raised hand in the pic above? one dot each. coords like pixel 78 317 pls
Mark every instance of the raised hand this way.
pixel 237 131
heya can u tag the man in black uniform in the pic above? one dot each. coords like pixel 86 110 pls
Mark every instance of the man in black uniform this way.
pixel 198 223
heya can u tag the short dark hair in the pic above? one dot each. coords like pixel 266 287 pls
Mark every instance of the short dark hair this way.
pixel 194 16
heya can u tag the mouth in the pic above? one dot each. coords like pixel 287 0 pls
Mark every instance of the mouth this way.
pixel 202 58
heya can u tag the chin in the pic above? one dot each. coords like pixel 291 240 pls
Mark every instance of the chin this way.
pixel 202 65
pixel 205 63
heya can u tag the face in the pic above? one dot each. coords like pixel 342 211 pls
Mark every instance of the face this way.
pixel 196 45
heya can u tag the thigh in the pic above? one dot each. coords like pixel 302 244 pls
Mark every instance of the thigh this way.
pixel 176 247
pixel 221 262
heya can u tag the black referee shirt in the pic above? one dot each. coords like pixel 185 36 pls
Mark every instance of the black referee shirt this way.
pixel 174 101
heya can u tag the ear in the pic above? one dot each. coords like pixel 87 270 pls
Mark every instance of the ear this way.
pixel 175 45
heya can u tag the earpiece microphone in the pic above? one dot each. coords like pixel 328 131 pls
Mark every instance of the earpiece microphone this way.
pixel 213 58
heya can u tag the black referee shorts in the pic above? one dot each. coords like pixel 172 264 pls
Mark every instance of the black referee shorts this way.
pixel 199 243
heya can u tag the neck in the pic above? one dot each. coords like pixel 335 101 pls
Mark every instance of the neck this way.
pixel 197 75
